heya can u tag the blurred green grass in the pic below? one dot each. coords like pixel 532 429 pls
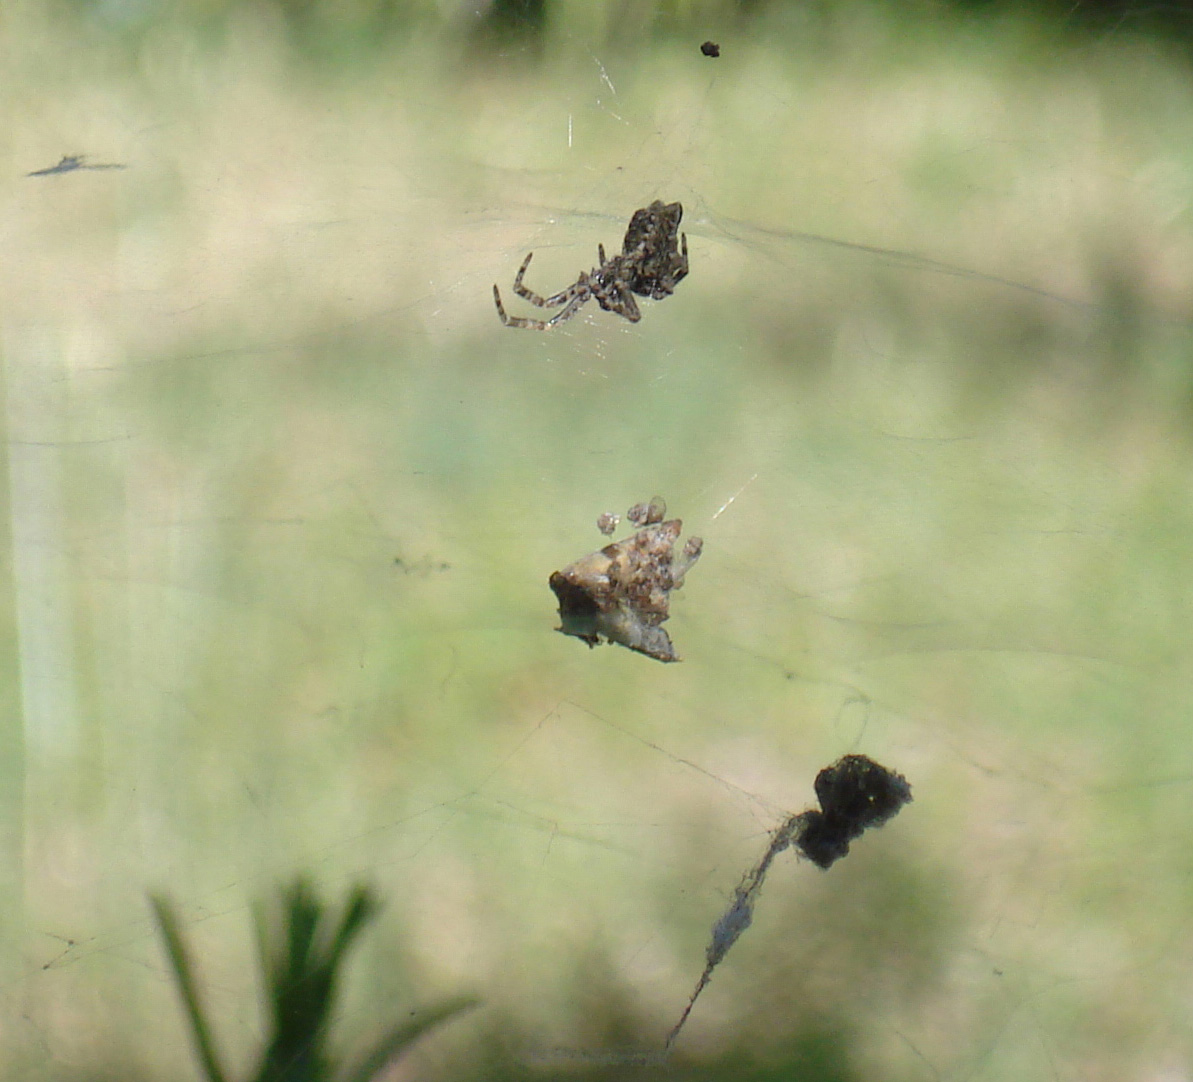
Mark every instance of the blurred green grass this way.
pixel 284 497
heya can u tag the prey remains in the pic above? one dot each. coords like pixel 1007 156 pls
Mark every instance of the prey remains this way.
pixel 621 593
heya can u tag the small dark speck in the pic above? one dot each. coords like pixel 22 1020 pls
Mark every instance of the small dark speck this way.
pixel 710 48
pixel 422 568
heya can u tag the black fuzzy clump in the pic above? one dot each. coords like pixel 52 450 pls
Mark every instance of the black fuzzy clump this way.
pixel 855 793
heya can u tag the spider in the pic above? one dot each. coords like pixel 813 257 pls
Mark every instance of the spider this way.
pixel 650 264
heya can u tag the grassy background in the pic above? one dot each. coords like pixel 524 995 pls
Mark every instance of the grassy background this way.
pixel 284 496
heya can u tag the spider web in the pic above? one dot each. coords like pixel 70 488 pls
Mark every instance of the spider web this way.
pixel 285 496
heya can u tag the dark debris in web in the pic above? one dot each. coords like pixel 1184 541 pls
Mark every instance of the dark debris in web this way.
pixel 855 793
pixel 73 163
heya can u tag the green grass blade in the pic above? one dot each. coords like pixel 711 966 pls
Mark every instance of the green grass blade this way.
pixel 362 907
pixel 304 951
pixel 167 922
pixel 398 1039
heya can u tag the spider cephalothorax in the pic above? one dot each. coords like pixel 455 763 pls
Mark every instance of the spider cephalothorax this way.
pixel 650 263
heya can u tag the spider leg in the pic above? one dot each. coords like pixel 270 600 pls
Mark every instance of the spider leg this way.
pixel 683 270
pixel 522 291
pixel 616 297
pixel 572 308
pixel 501 308
pixel 603 293
pixel 517 321
pixel 541 324
pixel 522 321
pixel 601 254
pixel 564 296
pixel 629 308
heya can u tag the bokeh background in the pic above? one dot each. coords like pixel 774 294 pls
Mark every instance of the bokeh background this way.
pixel 283 496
